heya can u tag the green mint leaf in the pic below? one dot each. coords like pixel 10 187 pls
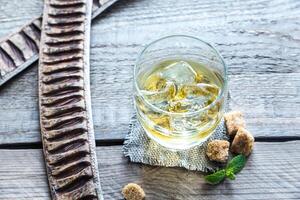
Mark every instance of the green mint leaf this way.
pixel 230 175
pixel 236 164
pixel 232 168
pixel 216 177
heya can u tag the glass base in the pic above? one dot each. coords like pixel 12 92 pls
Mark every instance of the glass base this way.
pixel 178 143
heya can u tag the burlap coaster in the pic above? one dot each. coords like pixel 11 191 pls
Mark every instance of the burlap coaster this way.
pixel 141 149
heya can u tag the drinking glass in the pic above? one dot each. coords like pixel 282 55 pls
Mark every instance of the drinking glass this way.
pixel 179 130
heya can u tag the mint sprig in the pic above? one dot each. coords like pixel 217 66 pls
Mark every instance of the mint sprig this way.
pixel 233 167
pixel 216 177
pixel 236 164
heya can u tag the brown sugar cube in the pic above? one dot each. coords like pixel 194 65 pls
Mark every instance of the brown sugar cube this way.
pixel 217 150
pixel 234 120
pixel 133 191
pixel 243 142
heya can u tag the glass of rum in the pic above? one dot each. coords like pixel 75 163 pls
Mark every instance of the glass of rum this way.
pixel 180 89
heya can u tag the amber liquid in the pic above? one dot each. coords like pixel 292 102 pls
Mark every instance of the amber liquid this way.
pixel 177 104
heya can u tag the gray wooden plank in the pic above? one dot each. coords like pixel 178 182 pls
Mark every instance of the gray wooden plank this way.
pixel 25 43
pixel 258 39
pixel 272 172
pixel 14 14
pixel 270 102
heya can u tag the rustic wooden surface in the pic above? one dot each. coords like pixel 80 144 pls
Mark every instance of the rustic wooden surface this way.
pixel 258 39
pixel 260 42
pixel 20 49
pixel 272 172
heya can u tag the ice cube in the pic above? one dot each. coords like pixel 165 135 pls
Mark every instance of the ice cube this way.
pixel 193 97
pixel 178 124
pixel 160 98
pixel 179 73
pixel 187 105
pixel 211 88
pixel 155 83
pixel 193 91
pixel 186 124
pixel 182 124
pixel 159 119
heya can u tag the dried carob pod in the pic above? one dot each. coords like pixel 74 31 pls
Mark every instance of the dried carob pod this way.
pixel 20 49
pixel 64 100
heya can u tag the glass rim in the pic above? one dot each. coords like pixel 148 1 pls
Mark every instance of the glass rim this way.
pixel 157 109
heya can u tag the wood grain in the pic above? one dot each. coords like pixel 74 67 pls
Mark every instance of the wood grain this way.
pixel 259 41
pixel 270 101
pixel 272 172
pixel 20 49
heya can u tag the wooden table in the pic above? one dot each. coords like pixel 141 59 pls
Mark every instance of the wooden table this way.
pixel 260 42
